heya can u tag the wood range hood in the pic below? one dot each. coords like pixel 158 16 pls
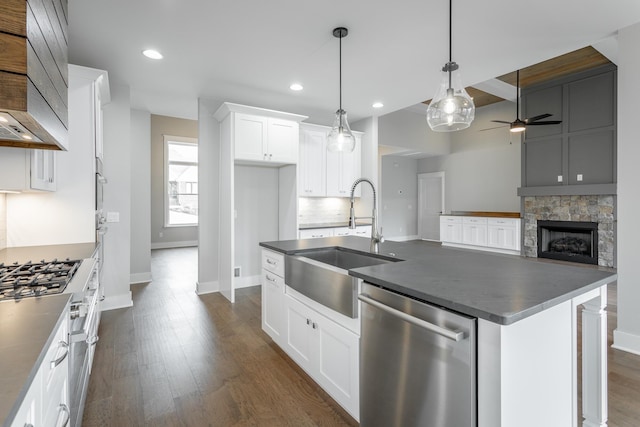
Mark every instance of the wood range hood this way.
pixel 33 74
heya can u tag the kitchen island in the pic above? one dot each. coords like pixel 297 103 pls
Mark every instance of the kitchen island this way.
pixel 527 323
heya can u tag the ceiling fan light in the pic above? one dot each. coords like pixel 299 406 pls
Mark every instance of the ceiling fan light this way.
pixel 517 127
pixel 340 137
pixel 451 108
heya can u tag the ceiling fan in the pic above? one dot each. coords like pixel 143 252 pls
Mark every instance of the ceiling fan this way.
pixel 520 125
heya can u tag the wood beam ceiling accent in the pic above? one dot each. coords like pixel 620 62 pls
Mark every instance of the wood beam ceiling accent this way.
pixel 570 63
pixel 563 65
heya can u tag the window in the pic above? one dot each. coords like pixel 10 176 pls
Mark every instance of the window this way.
pixel 181 181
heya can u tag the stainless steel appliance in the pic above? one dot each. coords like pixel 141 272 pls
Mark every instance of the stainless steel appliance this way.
pixel 101 223
pixel 417 363
pixel 85 318
pixel 32 279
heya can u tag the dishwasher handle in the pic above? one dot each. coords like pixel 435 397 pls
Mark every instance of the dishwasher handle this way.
pixel 452 335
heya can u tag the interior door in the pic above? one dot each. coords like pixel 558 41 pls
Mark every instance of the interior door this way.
pixel 430 204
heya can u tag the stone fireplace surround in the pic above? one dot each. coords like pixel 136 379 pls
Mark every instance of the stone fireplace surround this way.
pixel 598 209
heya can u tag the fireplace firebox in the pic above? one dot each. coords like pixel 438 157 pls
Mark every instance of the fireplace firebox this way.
pixel 573 241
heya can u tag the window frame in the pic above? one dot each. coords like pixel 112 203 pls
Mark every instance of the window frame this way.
pixel 183 140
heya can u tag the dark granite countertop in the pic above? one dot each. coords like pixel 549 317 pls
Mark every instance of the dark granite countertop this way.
pixel 330 225
pixel 26 328
pixel 499 288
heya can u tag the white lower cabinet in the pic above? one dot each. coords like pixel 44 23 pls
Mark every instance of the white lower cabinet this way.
pixel 485 233
pixel 327 351
pixel 46 402
pixel 273 294
pixel 314 233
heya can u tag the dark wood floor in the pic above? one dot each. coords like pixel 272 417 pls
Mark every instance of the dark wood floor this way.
pixel 178 359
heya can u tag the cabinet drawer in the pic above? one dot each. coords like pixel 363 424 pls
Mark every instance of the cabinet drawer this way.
pixel 504 222
pixel 316 233
pixel 474 220
pixel 451 219
pixel 342 231
pixel 273 262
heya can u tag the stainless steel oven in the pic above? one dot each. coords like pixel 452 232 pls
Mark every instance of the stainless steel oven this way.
pixel 85 318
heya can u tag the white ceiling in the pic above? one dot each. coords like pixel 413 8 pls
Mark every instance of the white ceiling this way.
pixel 250 51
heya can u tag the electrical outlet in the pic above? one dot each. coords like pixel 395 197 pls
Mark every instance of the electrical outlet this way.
pixel 161 234
pixel 559 178
pixel 579 177
pixel 236 272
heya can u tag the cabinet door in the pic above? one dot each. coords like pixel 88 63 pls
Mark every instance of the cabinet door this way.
pixel 502 237
pixel 300 340
pixel 338 363
pixel 342 170
pixel 283 137
pixel 342 231
pixel 43 170
pixel 272 305
pixel 362 230
pixel 312 164
pixel 250 137
pixel 474 234
pixel 30 411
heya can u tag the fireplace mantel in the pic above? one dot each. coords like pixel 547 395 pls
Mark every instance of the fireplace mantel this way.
pixel 569 190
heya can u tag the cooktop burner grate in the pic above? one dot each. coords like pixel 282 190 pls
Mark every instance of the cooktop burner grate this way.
pixel 35 279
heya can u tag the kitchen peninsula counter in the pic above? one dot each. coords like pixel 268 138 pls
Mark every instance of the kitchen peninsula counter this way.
pixel 527 323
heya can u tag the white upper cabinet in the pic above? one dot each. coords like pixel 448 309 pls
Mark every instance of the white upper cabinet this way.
pixel 312 170
pixel 26 170
pixel 260 136
pixel 342 170
pixel 43 170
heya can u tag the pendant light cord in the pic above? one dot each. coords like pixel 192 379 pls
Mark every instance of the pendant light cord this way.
pixel 518 94
pixel 340 68
pixel 450 36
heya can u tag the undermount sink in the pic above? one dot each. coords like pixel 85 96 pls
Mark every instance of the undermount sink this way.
pixel 322 275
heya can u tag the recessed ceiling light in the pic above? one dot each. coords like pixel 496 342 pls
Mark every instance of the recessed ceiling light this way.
pixel 378 105
pixel 3 120
pixel 296 87
pixel 153 54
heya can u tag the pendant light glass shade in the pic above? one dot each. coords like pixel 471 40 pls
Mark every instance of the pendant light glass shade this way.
pixel 340 138
pixel 451 108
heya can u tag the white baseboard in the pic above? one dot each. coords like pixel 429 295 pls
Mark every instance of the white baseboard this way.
pixel 169 245
pixel 402 238
pixel 246 281
pixel 207 287
pixel 626 342
pixel 117 301
pixel 135 278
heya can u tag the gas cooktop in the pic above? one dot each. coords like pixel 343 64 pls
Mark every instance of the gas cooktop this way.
pixel 35 279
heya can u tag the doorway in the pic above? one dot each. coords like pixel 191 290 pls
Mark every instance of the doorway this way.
pixel 430 204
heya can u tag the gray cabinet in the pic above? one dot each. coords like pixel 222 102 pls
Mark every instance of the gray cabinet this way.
pixel 582 149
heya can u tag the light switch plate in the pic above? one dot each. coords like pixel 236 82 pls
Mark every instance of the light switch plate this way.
pixel 113 216
pixel 579 177
pixel 559 178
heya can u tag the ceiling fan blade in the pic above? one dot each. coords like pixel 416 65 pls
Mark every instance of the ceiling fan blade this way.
pixel 496 127
pixel 535 118
pixel 550 122
pixel 501 121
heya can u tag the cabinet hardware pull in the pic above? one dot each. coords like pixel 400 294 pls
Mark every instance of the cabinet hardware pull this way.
pixel 452 335
pixel 314 325
pixel 59 360
pixel 271 262
pixel 67 415
pixel 269 278
pixel 308 321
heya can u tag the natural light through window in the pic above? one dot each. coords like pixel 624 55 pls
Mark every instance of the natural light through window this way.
pixel 181 181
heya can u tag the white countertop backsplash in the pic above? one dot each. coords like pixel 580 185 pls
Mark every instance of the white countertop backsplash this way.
pixel 322 210
pixel 3 221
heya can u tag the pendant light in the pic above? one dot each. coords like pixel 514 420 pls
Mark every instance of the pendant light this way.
pixel 340 138
pixel 451 108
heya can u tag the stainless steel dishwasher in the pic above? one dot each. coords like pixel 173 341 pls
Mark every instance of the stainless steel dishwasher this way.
pixel 417 363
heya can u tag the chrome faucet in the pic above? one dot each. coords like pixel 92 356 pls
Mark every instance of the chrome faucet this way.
pixel 376 236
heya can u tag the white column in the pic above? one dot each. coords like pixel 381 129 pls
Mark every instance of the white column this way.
pixel 594 361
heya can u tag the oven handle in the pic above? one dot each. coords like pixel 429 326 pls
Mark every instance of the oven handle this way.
pixel 67 415
pixel 59 360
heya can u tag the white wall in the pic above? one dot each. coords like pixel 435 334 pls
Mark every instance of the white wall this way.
pixel 140 196
pixel 627 334
pixel 410 131
pixel 369 165
pixel 256 204
pixel 483 169
pixel 208 199
pixel 3 221
pixel 117 197
pixel 171 236
pixel 399 197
